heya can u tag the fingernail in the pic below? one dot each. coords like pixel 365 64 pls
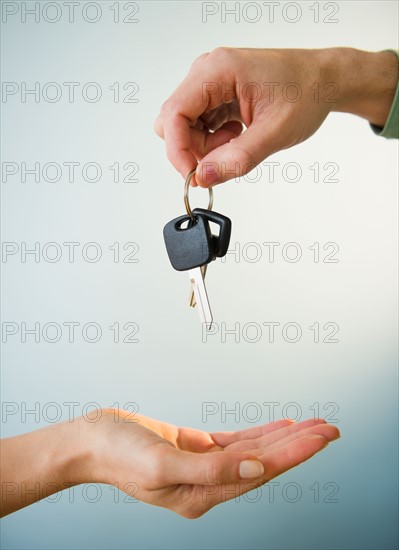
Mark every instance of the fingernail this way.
pixel 249 469
pixel 208 174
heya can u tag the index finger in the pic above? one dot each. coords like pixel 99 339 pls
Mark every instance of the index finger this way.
pixel 199 92
pixel 177 132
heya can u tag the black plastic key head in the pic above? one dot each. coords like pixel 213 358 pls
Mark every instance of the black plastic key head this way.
pixel 190 246
pixel 220 243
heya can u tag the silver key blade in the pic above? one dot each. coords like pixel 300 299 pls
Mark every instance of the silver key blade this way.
pixel 192 302
pixel 201 296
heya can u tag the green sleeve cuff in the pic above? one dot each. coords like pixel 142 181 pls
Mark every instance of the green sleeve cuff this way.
pixel 391 128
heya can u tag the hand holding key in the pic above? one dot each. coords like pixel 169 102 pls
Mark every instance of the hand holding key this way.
pixel 281 96
pixel 193 247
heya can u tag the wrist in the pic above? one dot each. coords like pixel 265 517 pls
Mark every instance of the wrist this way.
pixel 72 454
pixel 366 81
pixel 98 439
pixel 43 462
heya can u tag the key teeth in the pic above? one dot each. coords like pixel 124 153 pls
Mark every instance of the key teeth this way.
pixel 192 301
pixel 201 297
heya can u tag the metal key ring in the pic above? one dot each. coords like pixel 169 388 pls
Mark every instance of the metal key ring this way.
pixel 187 202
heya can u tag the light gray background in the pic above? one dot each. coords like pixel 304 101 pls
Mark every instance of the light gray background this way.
pixel 171 371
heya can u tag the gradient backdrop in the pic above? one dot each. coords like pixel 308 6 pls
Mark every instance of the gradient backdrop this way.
pixel 339 190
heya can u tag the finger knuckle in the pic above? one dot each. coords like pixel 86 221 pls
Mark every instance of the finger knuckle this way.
pixel 222 54
pixel 213 473
pixel 200 59
pixel 168 107
pixel 165 107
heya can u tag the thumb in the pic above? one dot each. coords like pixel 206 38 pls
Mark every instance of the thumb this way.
pixel 237 157
pixel 214 467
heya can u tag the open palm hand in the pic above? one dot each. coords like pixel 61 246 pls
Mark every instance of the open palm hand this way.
pixel 189 471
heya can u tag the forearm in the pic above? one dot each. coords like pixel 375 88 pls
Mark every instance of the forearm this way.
pixel 367 82
pixel 43 462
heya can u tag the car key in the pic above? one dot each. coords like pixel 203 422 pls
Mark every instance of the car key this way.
pixel 201 296
pixel 192 302
pixel 188 249
pixel 220 243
